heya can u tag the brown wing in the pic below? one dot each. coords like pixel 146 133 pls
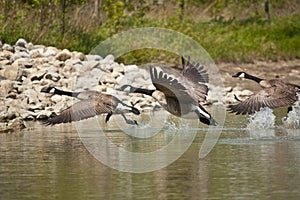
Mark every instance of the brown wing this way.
pixel 194 71
pixel 81 110
pixel 273 97
pixel 168 84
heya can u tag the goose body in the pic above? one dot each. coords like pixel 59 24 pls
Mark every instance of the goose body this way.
pixel 275 93
pixel 91 103
pixel 179 93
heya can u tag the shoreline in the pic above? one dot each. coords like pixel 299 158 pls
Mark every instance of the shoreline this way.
pixel 26 68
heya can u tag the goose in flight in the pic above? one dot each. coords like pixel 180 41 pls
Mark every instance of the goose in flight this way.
pixel 91 103
pixel 180 93
pixel 275 93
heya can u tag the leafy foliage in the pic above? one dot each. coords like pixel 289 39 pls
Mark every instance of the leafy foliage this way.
pixel 229 30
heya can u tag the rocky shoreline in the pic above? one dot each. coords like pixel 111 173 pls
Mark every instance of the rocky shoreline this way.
pixel 26 68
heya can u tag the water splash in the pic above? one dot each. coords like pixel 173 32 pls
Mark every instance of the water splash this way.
pixel 292 121
pixel 261 124
pixel 263 119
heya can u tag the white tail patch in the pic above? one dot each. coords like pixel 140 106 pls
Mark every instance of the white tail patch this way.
pixel 202 112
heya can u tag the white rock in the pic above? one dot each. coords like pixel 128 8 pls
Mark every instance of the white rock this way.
pixel 109 59
pixel 21 42
pixel 30 46
pixel 56 98
pixel 50 51
pixel 106 78
pixel 18 55
pixel 130 68
pixel 8 47
pixel 93 57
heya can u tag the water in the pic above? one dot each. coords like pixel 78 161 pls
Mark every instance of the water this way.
pixel 52 163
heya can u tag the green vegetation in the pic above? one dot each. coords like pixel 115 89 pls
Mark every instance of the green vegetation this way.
pixel 229 30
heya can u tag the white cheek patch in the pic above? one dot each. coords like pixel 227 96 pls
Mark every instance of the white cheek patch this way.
pixel 122 107
pixel 242 75
pixel 52 91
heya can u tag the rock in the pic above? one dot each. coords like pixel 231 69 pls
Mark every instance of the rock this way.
pixel 88 65
pixel 108 60
pixel 21 42
pixel 18 55
pixel 106 78
pixel 90 79
pixel 8 47
pixel 63 55
pixel 79 55
pixel 38 106
pixel 36 53
pixel 31 95
pixel 5 55
pixel 13 72
pixel 6 87
pixel 53 77
pixel 130 68
pixel 44 114
pixel 2 78
pixel 50 51
pixel 93 57
pixel 25 62
pixel 37 76
pixel 56 98
pixel 15 125
pixel 27 115
pixel 30 46
pixel 118 69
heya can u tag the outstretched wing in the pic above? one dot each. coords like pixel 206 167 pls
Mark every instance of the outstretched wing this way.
pixel 194 71
pixel 81 110
pixel 168 84
pixel 273 97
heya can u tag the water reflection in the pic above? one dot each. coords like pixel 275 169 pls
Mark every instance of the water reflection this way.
pixel 51 162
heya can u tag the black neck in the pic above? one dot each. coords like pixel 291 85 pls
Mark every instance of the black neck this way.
pixel 142 91
pixel 67 93
pixel 254 78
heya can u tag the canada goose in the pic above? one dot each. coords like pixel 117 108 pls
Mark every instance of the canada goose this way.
pixel 91 103
pixel 179 93
pixel 275 93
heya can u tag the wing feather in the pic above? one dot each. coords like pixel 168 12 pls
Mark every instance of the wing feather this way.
pixel 194 71
pixel 273 97
pixel 81 110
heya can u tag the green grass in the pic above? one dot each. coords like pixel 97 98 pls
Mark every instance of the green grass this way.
pixel 234 40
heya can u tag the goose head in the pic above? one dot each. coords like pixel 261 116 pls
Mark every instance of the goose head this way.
pixel 48 89
pixel 240 75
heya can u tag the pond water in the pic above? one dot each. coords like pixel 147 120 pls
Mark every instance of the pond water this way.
pixel 52 162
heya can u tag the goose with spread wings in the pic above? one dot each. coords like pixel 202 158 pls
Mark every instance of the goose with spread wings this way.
pixel 180 93
pixel 91 103
pixel 275 93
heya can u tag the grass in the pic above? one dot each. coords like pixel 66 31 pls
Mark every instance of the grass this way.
pixel 232 40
